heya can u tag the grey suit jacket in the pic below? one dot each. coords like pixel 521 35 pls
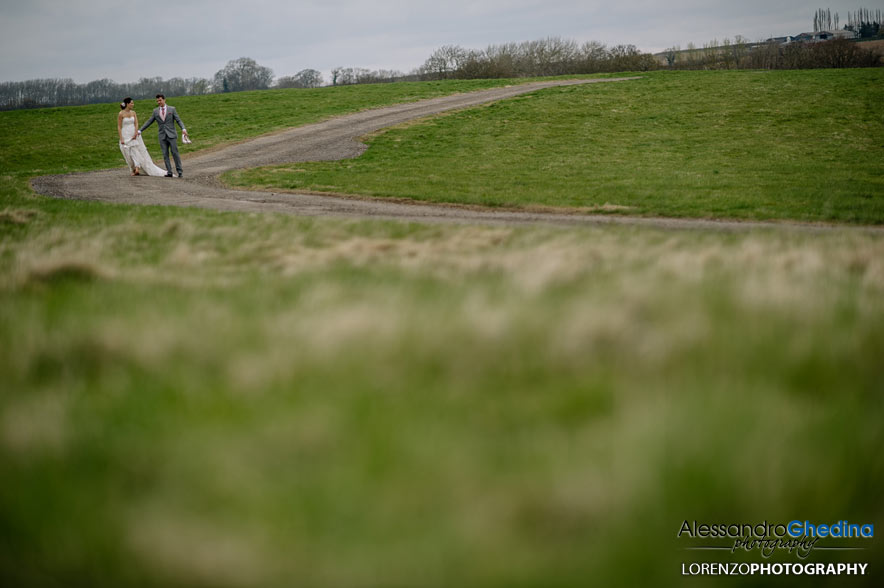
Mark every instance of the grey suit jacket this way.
pixel 166 127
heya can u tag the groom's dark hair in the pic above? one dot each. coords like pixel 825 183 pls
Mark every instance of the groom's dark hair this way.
pixel 161 96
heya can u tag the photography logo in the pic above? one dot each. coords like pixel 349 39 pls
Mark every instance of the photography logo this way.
pixel 798 538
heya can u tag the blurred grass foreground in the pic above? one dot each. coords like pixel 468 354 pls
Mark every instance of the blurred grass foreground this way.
pixel 192 398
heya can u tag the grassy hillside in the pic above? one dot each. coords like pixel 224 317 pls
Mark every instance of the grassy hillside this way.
pixel 194 398
pixel 756 144
pixel 58 140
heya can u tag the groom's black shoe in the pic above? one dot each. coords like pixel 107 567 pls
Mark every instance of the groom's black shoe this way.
pixel 181 175
pixel 169 175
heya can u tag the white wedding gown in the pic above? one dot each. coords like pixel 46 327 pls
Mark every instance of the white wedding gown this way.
pixel 135 152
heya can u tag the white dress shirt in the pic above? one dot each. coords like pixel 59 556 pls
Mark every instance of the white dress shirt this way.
pixel 183 130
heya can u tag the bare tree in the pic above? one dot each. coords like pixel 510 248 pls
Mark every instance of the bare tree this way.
pixel 345 76
pixel 550 56
pixel 64 92
pixel 306 78
pixel 592 55
pixel 444 62
pixel 243 74
pixel 310 78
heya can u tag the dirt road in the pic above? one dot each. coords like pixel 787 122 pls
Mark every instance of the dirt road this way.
pixel 330 140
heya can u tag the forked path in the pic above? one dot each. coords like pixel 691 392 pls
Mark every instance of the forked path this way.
pixel 332 139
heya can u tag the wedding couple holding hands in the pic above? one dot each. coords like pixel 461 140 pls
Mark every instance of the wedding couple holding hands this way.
pixel 132 146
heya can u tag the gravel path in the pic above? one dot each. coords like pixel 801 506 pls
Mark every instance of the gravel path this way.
pixel 333 140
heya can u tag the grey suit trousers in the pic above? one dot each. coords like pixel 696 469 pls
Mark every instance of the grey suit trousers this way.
pixel 170 145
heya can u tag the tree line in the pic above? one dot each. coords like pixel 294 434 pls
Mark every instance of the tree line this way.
pixel 544 57
pixel 345 76
pixel 823 21
pixel 864 22
pixel 556 56
pixel 238 75
pixel 740 54
pixel 41 93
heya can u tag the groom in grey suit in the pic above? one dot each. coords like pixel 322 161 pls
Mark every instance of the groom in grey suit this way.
pixel 166 116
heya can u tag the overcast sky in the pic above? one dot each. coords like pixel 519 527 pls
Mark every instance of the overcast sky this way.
pixel 93 39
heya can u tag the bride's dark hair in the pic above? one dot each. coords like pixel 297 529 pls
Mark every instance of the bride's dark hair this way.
pixel 124 103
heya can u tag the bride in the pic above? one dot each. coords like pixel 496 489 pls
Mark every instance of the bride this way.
pixel 132 145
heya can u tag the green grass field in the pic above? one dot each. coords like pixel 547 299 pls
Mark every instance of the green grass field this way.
pixel 801 145
pixel 193 398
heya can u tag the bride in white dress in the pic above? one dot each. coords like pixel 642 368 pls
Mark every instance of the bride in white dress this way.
pixel 132 145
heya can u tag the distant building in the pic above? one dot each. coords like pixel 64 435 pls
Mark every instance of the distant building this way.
pixel 845 34
pixel 816 37
pixel 781 40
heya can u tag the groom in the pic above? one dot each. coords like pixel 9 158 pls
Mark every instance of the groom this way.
pixel 166 116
